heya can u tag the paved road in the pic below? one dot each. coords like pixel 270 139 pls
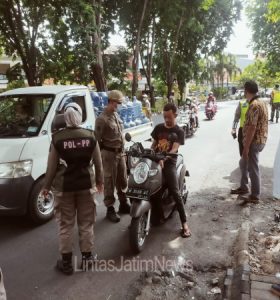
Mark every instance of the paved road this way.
pixel 28 254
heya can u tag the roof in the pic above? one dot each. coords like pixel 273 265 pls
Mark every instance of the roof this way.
pixel 46 89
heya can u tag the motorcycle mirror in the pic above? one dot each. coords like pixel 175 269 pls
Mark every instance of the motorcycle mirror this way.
pixel 127 137
pixel 173 137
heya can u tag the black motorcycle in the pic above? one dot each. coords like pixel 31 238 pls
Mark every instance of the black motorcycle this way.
pixel 148 193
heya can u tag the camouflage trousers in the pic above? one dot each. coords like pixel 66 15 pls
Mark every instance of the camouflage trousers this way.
pixel 115 176
pixel 70 206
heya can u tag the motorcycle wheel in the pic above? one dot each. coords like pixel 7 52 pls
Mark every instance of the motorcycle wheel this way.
pixel 138 233
pixel 186 131
pixel 185 192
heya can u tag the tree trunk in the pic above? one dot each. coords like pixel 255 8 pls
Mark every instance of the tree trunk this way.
pixel 148 67
pixel 21 41
pixel 169 88
pixel 97 67
pixel 135 61
pixel 181 86
pixel 169 75
pixel 98 77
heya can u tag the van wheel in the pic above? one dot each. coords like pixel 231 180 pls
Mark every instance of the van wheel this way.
pixel 40 209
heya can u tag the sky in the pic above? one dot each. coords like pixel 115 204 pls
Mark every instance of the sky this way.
pixel 239 42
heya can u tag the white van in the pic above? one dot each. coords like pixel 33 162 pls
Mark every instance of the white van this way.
pixel 26 126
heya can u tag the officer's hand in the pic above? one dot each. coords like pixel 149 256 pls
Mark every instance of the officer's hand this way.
pixel 100 188
pixel 161 163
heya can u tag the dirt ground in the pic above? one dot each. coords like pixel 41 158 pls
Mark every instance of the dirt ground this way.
pixel 214 219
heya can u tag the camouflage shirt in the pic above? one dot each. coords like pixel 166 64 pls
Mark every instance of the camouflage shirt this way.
pixel 257 115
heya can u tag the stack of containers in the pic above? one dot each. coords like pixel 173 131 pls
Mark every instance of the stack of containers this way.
pixel 137 105
pixel 130 112
pixel 95 101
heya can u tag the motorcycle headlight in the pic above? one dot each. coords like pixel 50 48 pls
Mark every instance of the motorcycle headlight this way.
pixel 141 173
pixel 16 169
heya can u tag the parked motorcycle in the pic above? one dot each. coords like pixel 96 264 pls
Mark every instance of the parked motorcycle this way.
pixel 187 120
pixel 210 110
pixel 147 191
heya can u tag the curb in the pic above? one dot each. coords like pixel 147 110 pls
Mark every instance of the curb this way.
pixel 237 281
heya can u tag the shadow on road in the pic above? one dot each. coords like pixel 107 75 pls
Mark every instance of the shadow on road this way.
pixel 266 179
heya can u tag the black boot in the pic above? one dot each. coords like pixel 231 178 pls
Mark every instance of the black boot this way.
pixel 112 215
pixel 65 264
pixel 276 120
pixel 88 260
pixel 124 208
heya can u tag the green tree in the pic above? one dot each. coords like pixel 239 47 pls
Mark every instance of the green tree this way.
pixel 21 25
pixel 80 31
pixel 135 27
pixel 258 71
pixel 265 22
pixel 273 11
pixel 59 39
pixel 115 65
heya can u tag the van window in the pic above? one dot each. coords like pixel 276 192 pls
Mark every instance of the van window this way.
pixel 23 115
pixel 79 99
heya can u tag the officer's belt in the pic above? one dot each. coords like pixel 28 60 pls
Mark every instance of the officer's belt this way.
pixel 115 150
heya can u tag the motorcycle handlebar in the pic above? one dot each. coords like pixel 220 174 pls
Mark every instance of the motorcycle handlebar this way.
pixel 151 154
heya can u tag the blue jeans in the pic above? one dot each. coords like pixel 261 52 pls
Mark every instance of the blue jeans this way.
pixel 250 168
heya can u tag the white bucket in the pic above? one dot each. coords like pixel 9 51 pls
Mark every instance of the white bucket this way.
pixel 276 174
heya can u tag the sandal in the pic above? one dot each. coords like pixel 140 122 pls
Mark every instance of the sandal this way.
pixel 185 234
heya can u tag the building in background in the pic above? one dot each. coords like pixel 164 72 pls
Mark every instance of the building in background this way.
pixel 243 61
pixel 6 62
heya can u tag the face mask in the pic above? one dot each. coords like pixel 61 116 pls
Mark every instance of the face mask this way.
pixel 119 107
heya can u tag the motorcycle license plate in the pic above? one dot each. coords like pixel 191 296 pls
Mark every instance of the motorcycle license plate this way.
pixel 137 193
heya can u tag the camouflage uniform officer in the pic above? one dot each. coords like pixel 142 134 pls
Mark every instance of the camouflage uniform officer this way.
pixel 73 153
pixel 109 133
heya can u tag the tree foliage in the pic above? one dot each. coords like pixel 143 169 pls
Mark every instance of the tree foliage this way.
pixel 199 30
pixel 258 71
pixel 264 19
pixel 66 40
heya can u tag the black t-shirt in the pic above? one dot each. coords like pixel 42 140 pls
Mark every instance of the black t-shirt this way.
pixel 161 135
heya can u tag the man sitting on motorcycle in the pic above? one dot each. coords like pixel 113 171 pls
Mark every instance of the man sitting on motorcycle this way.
pixel 161 143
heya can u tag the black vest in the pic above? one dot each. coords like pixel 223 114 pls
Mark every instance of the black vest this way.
pixel 75 146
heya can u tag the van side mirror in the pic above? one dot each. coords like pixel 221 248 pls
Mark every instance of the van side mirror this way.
pixel 127 137
pixel 58 122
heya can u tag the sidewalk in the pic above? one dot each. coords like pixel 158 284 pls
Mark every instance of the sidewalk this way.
pixel 257 258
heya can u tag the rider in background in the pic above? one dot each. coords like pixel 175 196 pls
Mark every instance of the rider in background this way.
pixel 193 107
pixel 211 98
